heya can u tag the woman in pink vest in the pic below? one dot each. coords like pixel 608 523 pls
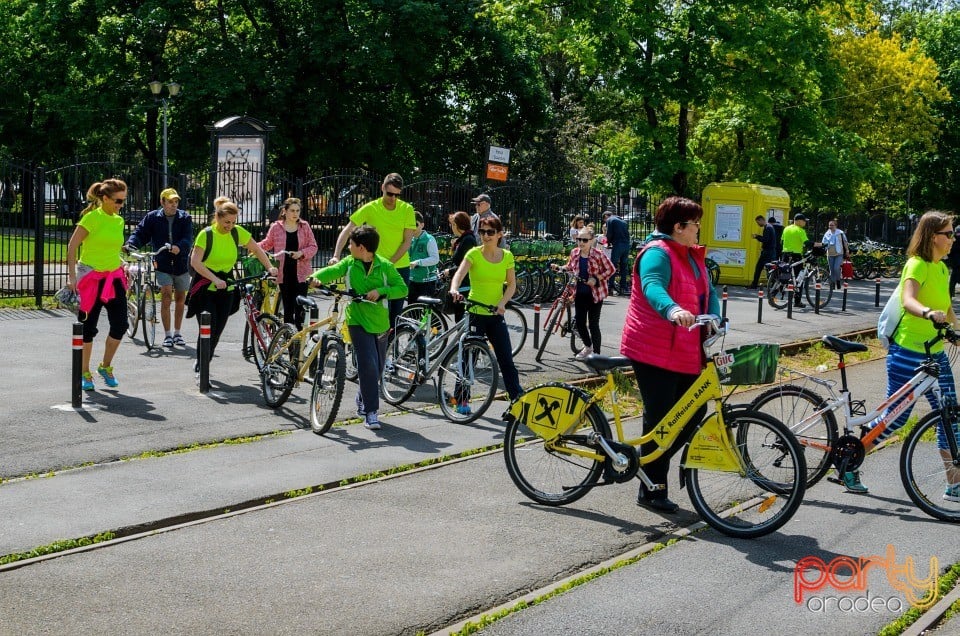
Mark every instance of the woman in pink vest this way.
pixel 670 287
pixel 292 235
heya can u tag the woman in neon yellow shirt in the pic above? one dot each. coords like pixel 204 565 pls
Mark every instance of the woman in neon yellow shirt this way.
pixel 211 292
pixel 492 282
pixel 98 274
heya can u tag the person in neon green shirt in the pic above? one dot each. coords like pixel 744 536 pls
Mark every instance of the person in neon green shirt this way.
pixel 794 242
pixel 98 276
pixel 492 282
pixel 396 224
pixel 370 274
pixel 209 289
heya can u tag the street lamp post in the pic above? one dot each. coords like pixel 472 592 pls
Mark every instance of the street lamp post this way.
pixel 173 89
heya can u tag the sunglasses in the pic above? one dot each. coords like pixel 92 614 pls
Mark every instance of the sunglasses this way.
pixel 582 240
pixel 697 223
pixel 948 234
pixel 119 201
pixel 391 194
pixel 484 232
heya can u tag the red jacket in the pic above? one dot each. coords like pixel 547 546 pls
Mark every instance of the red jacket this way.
pixel 276 239
pixel 650 338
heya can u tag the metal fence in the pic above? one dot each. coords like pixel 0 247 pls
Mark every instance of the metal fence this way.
pixel 39 207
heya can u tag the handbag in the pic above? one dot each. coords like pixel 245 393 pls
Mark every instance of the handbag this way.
pixel 846 269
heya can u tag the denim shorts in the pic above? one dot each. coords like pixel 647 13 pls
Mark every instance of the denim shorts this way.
pixel 180 282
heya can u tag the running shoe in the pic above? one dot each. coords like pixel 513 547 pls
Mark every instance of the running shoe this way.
pixel 86 381
pixel 168 342
pixel 851 481
pixel 179 341
pixel 108 377
pixel 952 493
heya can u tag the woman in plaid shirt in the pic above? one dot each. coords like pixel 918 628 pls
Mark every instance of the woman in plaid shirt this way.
pixel 593 269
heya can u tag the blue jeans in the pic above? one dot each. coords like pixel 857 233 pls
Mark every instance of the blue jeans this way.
pixel 901 364
pixel 495 330
pixel 620 256
pixel 371 352
pixel 395 305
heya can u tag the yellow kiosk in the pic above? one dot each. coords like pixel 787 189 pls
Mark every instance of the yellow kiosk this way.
pixel 728 225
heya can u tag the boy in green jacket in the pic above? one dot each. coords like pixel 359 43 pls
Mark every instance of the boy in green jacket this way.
pixel 377 280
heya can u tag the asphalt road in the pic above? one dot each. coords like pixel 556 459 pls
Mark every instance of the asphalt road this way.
pixel 416 552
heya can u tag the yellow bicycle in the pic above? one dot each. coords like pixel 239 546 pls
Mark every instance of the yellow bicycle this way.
pixel 744 470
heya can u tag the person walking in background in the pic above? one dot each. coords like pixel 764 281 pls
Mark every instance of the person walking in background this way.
pixel 492 282
pixel 215 252
pixel 173 226
pixel 291 234
pixel 96 273
pixel 465 241
pixel 371 275
pixel 778 232
pixel 835 240
pixel 395 223
pixel 483 209
pixel 954 259
pixel 768 248
pixel 575 226
pixel 618 240
pixel 671 287
pixel 424 258
pixel 593 269
pixel 794 241
pixel 925 299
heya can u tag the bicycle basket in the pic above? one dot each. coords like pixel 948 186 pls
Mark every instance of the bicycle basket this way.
pixel 748 364
pixel 251 266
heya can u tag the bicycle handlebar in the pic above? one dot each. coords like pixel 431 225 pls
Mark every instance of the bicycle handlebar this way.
pixel 328 290
pixel 142 256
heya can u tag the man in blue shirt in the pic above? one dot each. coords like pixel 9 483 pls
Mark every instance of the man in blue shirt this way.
pixel 170 225
pixel 618 239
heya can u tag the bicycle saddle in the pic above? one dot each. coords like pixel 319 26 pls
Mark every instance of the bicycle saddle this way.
pixel 842 346
pixel 427 300
pixel 605 363
pixel 306 301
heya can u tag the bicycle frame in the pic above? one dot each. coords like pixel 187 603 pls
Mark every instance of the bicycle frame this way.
pixel 328 325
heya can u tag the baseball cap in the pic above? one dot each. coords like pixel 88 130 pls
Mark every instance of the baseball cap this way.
pixel 799 217
pixel 483 197
pixel 169 193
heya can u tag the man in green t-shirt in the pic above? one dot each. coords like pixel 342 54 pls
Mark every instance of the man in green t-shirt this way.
pixel 794 242
pixel 395 222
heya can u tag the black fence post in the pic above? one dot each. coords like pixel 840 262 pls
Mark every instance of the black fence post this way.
pixel 816 298
pixel 723 302
pixel 759 306
pixel 843 307
pixel 536 322
pixel 204 352
pixel 876 300
pixel 789 301
pixel 75 390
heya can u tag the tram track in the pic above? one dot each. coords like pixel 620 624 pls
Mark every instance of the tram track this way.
pixel 170 523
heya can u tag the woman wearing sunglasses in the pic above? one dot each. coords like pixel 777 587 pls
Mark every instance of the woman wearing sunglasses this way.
pixel 97 275
pixel 492 282
pixel 593 270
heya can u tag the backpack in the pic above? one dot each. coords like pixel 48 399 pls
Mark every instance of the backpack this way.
pixel 208 247
pixel 890 318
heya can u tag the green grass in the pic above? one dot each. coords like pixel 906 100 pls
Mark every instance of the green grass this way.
pixel 19 249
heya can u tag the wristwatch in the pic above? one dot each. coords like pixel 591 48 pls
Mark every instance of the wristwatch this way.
pixel 926 313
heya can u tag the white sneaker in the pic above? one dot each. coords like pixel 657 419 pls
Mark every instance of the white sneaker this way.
pixel 584 353
pixel 373 422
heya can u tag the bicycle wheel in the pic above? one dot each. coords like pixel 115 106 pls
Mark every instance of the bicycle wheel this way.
pixel 576 343
pixel 267 326
pixel 928 474
pixel 777 292
pixel 350 358
pixel 516 327
pixel 555 472
pixel 399 378
pixel 714 270
pixel 133 308
pixel 467 381
pixel 766 493
pixel 328 381
pixel 553 317
pixel 792 405
pixel 819 275
pixel 279 372
pixel 148 316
